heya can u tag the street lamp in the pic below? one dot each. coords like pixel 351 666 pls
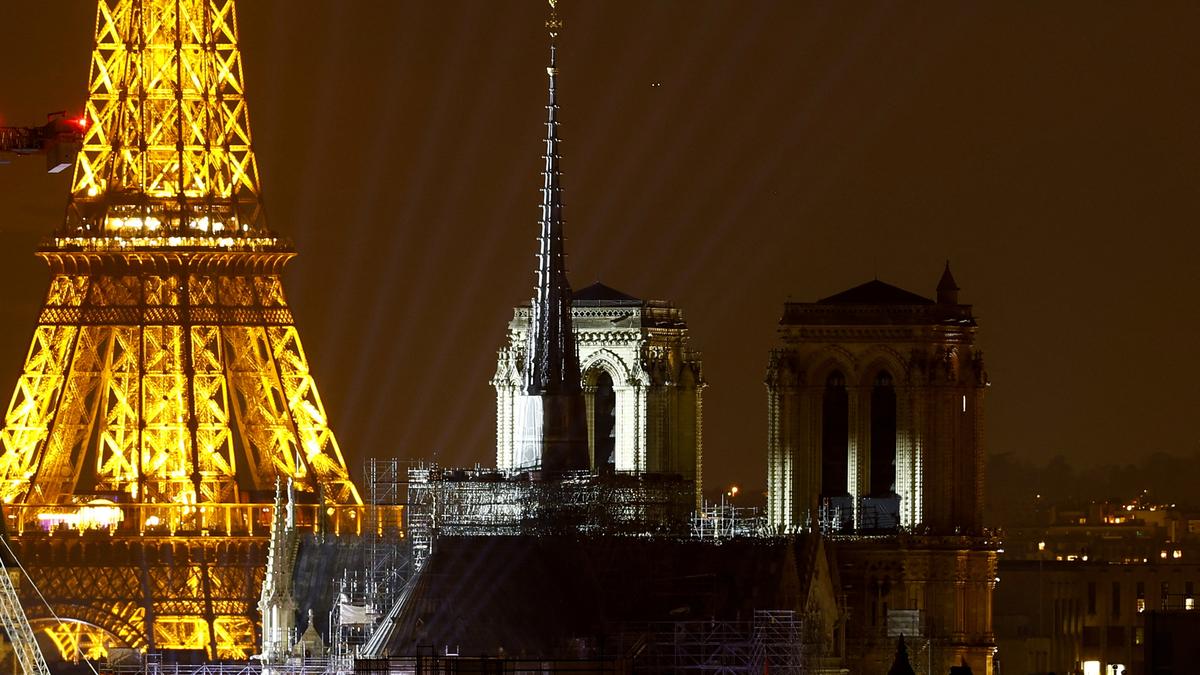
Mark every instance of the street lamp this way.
pixel 1041 601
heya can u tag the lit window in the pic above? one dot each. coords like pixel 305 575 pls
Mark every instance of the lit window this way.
pixel 1189 604
pixel 1176 554
pixel 1091 668
pixel 1141 605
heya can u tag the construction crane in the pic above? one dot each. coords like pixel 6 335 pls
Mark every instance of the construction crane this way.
pixel 59 139
pixel 16 624
pixel 12 616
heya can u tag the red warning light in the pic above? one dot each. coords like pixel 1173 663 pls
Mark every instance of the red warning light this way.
pixel 82 123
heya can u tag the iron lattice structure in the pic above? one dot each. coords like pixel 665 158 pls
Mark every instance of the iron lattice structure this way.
pixel 166 388
pixel 168 151
pixel 166 377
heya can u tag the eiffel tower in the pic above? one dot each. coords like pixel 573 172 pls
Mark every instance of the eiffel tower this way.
pixel 165 389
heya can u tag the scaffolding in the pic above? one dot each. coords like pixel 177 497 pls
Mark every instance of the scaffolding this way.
pixel 418 521
pixel 491 502
pixel 364 595
pixel 773 641
pixel 387 567
pixel 156 667
pixel 723 520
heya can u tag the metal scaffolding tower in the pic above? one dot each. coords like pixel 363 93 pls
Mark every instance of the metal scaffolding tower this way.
pixel 480 501
pixel 772 641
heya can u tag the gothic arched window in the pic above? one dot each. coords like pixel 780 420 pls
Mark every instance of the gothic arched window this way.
pixel 605 422
pixel 883 436
pixel 835 436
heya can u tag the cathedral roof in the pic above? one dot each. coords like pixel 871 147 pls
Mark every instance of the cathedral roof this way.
pixel 875 292
pixel 537 595
pixel 877 303
pixel 600 295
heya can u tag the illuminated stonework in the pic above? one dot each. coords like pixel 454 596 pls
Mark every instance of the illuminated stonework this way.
pixel 166 388
pixel 875 404
pixel 642 384
pixel 875 413
pixel 936 591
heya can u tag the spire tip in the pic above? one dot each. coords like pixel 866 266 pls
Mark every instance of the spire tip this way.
pixel 553 24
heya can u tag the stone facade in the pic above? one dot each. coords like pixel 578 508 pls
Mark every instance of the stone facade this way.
pixel 877 346
pixel 935 591
pixel 642 385
pixel 875 435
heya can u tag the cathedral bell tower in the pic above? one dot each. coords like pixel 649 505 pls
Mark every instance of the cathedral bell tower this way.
pixel 875 435
pixel 875 412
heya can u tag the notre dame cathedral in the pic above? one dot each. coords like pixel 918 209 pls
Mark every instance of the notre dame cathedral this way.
pixel 875 436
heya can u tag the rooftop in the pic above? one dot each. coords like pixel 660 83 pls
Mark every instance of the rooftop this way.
pixel 876 292
pixel 599 295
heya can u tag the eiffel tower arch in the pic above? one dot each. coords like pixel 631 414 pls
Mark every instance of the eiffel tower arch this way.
pixel 166 388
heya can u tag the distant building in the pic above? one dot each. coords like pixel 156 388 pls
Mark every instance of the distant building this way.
pixel 1058 616
pixel 1134 532
pixel 1171 644
pixel 875 435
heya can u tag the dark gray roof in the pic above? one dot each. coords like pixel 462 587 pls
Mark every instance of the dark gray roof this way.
pixel 536 596
pixel 876 292
pixel 947 281
pixel 600 295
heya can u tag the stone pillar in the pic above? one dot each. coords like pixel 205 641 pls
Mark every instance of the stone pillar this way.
pixel 589 405
pixel 505 392
pixel 859 448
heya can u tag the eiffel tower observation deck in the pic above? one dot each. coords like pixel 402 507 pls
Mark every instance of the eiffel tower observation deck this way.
pixel 165 390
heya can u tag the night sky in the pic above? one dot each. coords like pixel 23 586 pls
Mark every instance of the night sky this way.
pixel 723 155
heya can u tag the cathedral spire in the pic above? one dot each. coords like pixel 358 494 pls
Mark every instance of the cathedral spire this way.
pixel 551 433
pixel 553 362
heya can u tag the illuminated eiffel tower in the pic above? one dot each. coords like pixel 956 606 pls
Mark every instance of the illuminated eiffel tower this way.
pixel 165 389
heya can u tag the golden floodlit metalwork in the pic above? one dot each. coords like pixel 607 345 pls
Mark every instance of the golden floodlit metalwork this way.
pixel 166 388
pixel 169 148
